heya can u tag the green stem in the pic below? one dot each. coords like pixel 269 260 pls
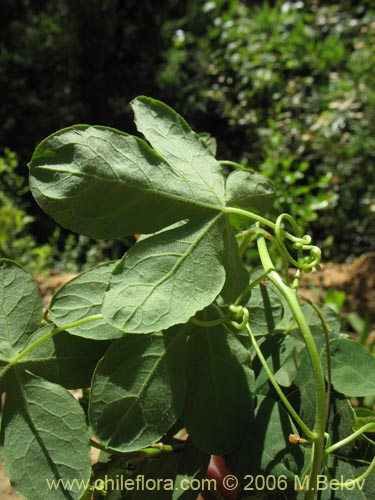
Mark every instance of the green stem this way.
pixel 149 452
pixel 249 287
pixel 233 164
pixel 249 215
pixel 366 428
pixel 290 296
pixel 209 324
pixel 309 433
pixel 326 330
pixel 46 337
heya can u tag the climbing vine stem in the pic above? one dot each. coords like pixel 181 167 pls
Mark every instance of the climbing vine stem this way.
pixel 290 296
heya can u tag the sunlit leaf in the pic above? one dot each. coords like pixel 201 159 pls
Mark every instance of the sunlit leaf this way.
pixel 165 279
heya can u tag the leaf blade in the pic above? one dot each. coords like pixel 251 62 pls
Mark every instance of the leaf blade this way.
pixel 165 279
pixel 82 297
pixel 64 359
pixel 104 183
pixel 249 190
pixel 38 416
pixel 20 307
pixel 219 397
pixel 352 368
pixel 173 138
pixel 138 389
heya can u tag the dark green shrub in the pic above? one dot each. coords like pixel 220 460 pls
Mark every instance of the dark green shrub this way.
pixel 293 84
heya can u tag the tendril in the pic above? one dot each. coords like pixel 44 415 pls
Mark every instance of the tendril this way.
pixel 301 243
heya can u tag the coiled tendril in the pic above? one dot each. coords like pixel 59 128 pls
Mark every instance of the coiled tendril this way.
pixel 301 243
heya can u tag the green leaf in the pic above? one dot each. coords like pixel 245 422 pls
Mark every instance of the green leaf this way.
pixel 82 297
pixel 341 414
pixel 265 309
pixel 353 368
pixel 249 190
pixel 306 388
pixel 219 397
pixel 281 356
pixel 103 183
pixel 265 449
pixel 237 278
pixel 44 438
pixel 165 279
pixel 314 322
pixel 20 307
pixel 64 359
pixel 364 416
pixel 171 136
pixel 138 389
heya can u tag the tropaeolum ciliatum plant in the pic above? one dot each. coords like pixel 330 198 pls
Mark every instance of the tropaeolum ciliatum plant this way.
pixel 177 335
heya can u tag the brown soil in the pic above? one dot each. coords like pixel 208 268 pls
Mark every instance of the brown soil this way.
pixel 356 279
pixel 6 490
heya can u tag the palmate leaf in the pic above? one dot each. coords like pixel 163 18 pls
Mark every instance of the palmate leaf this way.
pixel 170 135
pixel 20 308
pixel 104 183
pixel 44 438
pixel 249 190
pixel 165 279
pixel 138 389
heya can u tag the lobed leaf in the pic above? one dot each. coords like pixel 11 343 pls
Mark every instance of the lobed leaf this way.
pixel 20 307
pixel 138 389
pixel 44 438
pixel 172 137
pixel 82 297
pixel 165 279
pixel 103 183
pixel 249 190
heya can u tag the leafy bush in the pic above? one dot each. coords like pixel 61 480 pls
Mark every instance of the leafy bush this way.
pixel 292 85
pixel 176 338
pixel 63 252
pixel 15 238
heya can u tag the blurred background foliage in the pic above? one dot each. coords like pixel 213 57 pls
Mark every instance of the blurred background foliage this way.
pixel 287 88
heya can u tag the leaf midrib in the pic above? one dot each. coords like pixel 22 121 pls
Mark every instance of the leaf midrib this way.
pixel 164 194
pixel 137 396
pixel 174 269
